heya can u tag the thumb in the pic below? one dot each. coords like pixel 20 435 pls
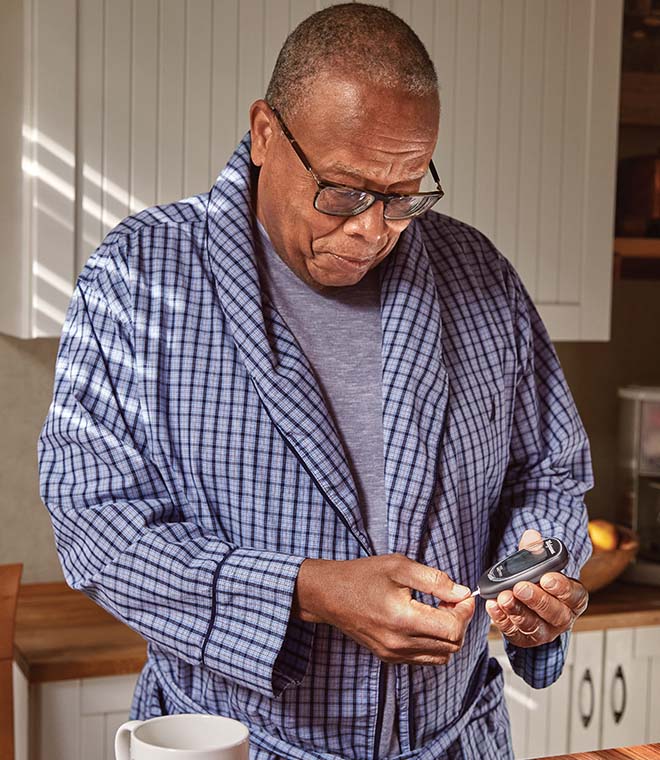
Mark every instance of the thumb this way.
pixel 529 538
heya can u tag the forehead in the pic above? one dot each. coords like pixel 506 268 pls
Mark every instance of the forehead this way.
pixel 364 131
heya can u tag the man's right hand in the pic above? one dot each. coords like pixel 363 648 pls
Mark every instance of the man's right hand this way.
pixel 371 601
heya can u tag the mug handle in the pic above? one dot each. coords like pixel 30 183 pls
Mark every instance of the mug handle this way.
pixel 123 739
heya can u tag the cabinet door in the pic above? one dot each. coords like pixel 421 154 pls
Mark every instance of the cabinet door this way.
pixel 105 703
pixel 549 722
pixel 92 737
pixel 586 691
pixel 56 723
pixel 539 717
pixel 77 720
pixel 517 697
pixel 97 735
pixel 647 649
pixel 527 144
pixel 625 691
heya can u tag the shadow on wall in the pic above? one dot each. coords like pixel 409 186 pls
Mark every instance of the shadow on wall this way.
pixel 65 217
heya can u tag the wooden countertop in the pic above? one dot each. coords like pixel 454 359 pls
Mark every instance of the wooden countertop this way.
pixel 61 634
pixel 621 605
pixel 641 752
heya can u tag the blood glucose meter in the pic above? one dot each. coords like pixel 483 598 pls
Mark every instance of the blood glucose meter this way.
pixel 530 564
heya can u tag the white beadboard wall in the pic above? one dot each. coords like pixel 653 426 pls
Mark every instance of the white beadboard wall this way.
pixel 136 102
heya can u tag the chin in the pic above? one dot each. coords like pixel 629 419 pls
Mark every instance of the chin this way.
pixel 332 280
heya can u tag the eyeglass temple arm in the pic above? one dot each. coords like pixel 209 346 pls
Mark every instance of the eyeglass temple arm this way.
pixel 294 142
pixel 434 173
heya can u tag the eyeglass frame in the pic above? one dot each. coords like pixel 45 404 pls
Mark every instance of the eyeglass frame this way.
pixel 322 184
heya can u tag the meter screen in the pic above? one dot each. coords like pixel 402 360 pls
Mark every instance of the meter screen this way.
pixel 520 561
pixel 528 564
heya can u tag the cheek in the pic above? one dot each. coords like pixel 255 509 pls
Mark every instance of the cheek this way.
pixel 285 192
pixel 301 222
pixel 394 230
pixel 320 230
pixel 397 228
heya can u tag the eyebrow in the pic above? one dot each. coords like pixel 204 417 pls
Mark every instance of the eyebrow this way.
pixel 338 166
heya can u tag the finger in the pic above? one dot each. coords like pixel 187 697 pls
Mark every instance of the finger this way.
pixel 529 538
pixel 500 619
pixel 420 647
pixel 465 609
pixel 569 591
pixel 526 620
pixel 546 606
pixel 430 580
pixel 440 623
pixel 428 660
pixel 395 647
pixel 529 633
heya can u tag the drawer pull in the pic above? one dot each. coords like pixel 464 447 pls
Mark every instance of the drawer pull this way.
pixel 585 716
pixel 618 676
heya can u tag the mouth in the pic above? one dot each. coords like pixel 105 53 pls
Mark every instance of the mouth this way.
pixel 353 262
pixel 356 264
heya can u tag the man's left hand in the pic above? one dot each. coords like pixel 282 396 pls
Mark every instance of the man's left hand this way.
pixel 532 614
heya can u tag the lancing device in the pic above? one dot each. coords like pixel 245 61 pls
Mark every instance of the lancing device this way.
pixel 545 556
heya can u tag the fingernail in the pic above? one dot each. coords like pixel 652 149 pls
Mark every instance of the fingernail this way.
pixel 491 606
pixel 524 593
pixel 550 584
pixel 506 598
pixel 459 591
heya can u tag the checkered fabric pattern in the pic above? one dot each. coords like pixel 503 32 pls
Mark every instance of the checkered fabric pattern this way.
pixel 189 465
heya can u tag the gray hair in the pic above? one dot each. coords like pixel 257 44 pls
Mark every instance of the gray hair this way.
pixel 351 39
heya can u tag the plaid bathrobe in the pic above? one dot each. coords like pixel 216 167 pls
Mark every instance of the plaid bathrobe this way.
pixel 190 464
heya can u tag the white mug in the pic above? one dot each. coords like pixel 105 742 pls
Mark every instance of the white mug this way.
pixel 182 737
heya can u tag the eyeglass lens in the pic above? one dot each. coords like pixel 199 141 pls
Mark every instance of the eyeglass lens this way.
pixel 348 202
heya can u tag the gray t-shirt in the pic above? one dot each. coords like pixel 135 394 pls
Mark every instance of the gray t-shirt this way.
pixel 339 331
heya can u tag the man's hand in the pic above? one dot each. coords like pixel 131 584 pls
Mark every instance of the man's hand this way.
pixel 370 600
pixel 534 614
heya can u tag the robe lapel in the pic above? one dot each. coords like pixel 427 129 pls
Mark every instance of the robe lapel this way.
pixel 272 356
pixel 415 390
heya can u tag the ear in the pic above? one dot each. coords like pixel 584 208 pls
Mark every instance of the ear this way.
pixel 261 131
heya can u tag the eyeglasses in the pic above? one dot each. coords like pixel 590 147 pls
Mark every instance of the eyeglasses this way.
pixel 342 200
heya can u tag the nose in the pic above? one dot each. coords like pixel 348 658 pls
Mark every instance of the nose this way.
pixel 370 225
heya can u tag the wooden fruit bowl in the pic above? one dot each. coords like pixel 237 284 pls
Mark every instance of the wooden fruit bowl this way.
pixel 605 566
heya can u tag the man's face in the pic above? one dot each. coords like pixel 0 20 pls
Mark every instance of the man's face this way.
pixel 352 134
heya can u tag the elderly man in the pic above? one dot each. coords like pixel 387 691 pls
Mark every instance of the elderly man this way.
pixel 293 416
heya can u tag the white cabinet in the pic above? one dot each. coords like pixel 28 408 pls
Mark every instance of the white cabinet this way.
pixel 607 696
pixel 21 691
pixel 625 690
pixel 647 649
pixel 586 691
pixel 118 105
pixel 77 720
pixel 540 718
